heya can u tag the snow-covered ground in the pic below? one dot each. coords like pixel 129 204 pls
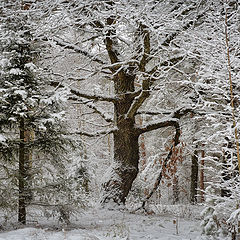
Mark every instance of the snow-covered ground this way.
pixel 102 224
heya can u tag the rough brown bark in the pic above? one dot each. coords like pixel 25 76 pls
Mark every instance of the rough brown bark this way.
pixel 127 101
pixel 126 148
pixel 126 157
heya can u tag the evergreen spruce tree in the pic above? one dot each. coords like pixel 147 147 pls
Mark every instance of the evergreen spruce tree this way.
pixel 32 132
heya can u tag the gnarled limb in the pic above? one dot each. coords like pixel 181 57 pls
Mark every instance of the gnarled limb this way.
pixel 165 162
pixel 177 115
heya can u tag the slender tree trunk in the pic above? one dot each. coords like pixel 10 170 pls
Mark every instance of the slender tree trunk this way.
pixel 21 178
pixel 194 178
pixel 28 138
pixel 226 173
pixel 25 166
pixel 201 180
pixel 143 153
pixel 175 189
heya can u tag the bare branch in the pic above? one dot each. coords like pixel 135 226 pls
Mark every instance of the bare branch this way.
pixel 96 134
pixel 146 83
pixel 102 114
pixel 78 93
pixel 168 63
pixel 92 96
pixel 170 121
pixel 160 175
pixel 137 103
pixel 77 49
pixel 190 23
pixel 176 114
pixel 165 122
pixel 112 53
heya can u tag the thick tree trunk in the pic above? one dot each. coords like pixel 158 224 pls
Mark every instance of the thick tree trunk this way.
pixel 125 167
pixel 126 147
pixel 194 178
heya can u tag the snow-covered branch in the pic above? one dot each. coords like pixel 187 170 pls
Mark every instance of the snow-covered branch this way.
pixel 146 47
pixel 76 48
pixel 137 103
pixel 176 113
pixel 78 93
pixel 165 122
pixel 96 134
pixel 185 27
pixel 92 96
pixel 105 116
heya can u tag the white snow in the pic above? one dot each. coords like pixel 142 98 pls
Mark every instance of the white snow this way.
pixel 31 66
pixel 15 71
pixel 22 93
pixel 103 224
pixel 2 138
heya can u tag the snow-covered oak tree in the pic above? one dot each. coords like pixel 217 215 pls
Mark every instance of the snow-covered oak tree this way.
pixel 131 52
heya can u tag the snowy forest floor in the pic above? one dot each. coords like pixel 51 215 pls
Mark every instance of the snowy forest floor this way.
pixel 170 223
